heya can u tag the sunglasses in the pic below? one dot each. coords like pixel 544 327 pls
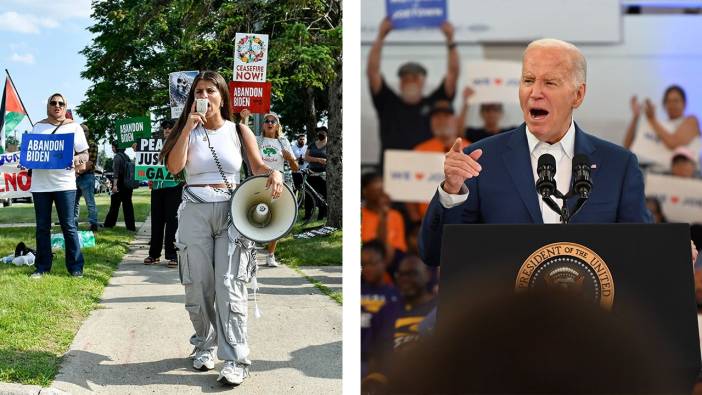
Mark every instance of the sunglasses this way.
pixel 57 103
pixel 271 121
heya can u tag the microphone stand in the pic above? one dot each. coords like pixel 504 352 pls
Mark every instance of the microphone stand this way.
pixel 563 211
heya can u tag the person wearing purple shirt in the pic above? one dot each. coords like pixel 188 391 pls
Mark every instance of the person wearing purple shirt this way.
pixel 378 301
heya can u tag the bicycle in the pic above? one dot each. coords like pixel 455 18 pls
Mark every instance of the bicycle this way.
pixel 306 191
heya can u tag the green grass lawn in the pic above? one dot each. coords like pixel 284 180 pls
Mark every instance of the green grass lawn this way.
pixel 39 318
pixel 24 212
pixel 317 251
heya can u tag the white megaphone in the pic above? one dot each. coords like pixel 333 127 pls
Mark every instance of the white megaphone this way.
pixel 257 216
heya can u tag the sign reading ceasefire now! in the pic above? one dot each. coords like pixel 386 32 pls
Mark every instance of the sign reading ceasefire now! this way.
pixel 147 165
pixel 254 96
pixel 250 57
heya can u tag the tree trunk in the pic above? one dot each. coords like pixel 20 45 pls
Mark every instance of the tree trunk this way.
pixel 334 153
pixel 310 115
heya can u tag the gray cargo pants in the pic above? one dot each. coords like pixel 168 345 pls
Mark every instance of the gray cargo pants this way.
pixel 215 290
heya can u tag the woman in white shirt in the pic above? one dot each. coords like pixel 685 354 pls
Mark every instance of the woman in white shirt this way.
pixel 654 141
pixel 275 151
pixel 58 186
pixel 215 263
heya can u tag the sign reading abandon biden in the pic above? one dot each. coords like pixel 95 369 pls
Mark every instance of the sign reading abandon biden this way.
pixel 46 151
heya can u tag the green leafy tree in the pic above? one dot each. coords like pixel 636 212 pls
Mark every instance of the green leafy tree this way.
pixel 138 43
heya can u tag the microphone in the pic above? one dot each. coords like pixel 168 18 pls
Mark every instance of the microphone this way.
pixel 582 182
pixel 546 170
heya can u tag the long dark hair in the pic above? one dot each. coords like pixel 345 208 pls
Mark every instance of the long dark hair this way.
pixel 208 75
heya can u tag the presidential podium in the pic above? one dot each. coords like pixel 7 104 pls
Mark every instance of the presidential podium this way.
pixel 633 319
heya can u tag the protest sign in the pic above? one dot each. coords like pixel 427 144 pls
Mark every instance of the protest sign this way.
pixel 178 88
pixel 494 81
pixel 147 165
pixel 130 130
pixel 254 96
pixel 250 57
pixel 46 151
pixel 412 176
pixel 679 197
pixel 14 183
pixel 408 14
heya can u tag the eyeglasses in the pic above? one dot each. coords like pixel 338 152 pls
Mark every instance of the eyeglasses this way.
pixel 57 103
pixel 271 121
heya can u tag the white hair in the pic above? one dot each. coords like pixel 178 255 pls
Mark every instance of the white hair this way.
pixel 578 62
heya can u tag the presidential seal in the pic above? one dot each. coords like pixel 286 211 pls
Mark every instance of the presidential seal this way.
pixel 568 267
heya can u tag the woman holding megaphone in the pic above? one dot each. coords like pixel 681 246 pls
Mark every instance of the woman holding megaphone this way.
pixel 215 263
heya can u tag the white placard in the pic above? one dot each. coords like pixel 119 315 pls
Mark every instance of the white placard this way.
pixel 14 183
pixel 494 81
pixel 250 57
pixel 681 198
pixel 411 176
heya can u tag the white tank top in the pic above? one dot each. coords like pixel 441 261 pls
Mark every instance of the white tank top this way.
pixel 650 149
pixel 200 167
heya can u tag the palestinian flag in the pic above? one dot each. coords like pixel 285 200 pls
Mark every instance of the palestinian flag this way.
pixel 12 112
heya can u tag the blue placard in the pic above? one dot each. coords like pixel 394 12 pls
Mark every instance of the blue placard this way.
pixel 46 151
pixel 406 14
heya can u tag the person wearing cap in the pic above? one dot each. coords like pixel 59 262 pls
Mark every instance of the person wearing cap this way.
pixel 404 117
pixel 490 112
pixel 299 149
pixel 275 151
pixel 683 163
pixel 166 197
pixel 445 128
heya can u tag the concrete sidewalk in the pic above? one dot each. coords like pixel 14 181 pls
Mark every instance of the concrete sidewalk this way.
pixel 136 342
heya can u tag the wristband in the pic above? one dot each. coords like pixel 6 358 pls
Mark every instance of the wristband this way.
pixel 451 46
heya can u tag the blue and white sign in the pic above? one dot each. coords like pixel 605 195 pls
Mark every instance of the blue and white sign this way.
pixel 408 14
pixel 47 151
pixel 411 176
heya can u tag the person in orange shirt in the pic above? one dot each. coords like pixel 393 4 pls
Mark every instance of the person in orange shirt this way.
pixel 378 220
pixel 445 127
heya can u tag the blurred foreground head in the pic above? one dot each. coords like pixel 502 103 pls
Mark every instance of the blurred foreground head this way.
pixel 536 343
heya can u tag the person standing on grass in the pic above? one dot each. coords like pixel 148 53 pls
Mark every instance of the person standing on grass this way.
pixel 58 186
pixel 85 181
pixel 316 156
pixel 275 151
pixel 120 193
pixel 166 196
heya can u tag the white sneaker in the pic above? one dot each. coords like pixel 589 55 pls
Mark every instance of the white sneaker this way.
pixel 233 373
pixel 270 261
pixel 203 360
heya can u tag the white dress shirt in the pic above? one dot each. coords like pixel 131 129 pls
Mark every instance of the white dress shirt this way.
pixel 563 151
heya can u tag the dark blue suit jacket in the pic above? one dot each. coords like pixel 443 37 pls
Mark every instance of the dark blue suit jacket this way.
pixel 504 192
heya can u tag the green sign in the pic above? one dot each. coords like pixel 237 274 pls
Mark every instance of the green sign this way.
pixel 147 166
pixel 130 130
pixel 152 173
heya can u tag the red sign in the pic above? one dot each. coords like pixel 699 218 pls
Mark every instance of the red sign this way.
pixel 254 96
